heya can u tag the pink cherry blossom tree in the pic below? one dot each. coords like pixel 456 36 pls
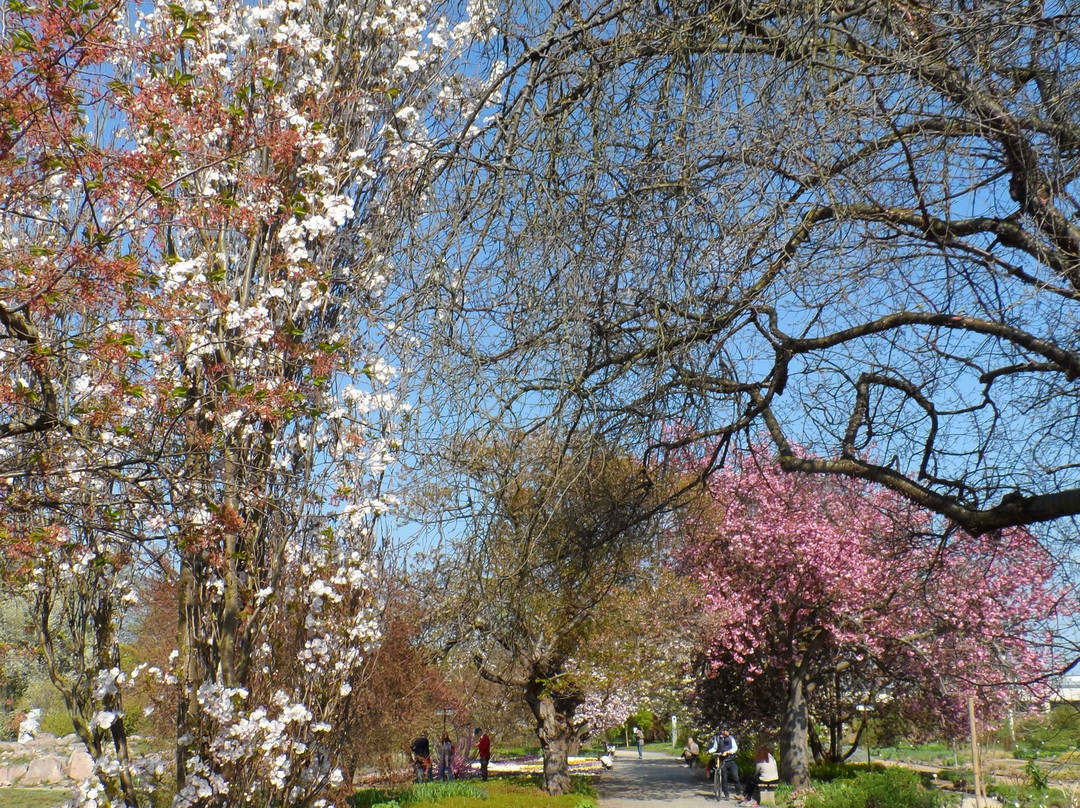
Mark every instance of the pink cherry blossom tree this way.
pixel 809 580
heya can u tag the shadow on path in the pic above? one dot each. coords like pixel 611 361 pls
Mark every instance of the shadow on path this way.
pixel 658 778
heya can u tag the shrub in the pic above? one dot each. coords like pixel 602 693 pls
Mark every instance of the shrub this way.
pixel 42 694
pixel 371 797
pixel 956 775
pixel 583 785
pixel 1036 775
pixel 1047 735
pixel 1028 796
pixel 58 722
pixel 894 788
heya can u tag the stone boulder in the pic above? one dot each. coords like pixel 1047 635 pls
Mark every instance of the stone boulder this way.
pixel 47 769
pixel 80 765
pixel 43 740
pixel 10 774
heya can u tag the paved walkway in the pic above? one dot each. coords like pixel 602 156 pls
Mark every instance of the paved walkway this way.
pixel 657 778
pixel 662 778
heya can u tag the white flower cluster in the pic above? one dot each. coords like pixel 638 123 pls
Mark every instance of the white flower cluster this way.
pixel 275 747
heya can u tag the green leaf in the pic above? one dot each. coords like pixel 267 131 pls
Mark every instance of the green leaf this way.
pixel 119 87
pixel 21 40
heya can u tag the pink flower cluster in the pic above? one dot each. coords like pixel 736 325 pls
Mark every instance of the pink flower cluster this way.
pixel 799 569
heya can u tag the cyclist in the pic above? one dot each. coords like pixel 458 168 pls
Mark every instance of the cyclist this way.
pixel 725 769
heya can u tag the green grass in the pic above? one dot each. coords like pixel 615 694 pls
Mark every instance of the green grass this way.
pixel 33 797
pixel 930 753
pixel 504 792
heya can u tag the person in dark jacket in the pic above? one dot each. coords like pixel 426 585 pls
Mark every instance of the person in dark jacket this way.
pixel 421 756
pixel 725 747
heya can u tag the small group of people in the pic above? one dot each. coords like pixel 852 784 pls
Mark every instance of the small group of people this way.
pixel 724 748
pixel 420 750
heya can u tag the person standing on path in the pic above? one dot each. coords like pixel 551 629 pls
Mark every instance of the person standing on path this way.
pixel 446 757
pixel 483 750
pixel 725 747
pixel 639 736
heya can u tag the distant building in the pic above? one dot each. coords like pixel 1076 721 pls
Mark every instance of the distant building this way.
pixel 1066 691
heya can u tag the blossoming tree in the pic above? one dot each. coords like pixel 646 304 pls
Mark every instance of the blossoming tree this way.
pixel 195 204
pixel 810 579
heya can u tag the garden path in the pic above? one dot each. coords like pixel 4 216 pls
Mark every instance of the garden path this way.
pixel 657 778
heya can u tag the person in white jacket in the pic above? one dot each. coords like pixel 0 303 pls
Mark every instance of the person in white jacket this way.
pixel 764 772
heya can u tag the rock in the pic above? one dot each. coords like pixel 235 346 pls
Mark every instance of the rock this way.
pixel 80 765
pixel 9 774
pixel 48 769
pixel 69 739
pixel 43 740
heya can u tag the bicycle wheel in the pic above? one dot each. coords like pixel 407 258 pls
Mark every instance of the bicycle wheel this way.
pixel 716 781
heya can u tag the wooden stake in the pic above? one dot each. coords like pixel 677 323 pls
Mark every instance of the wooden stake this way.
pixel 975 754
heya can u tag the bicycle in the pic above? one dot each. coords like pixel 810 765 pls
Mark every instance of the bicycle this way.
pixel 718 776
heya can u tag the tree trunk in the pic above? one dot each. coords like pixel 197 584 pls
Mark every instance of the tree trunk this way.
pixel 794 751
pixel 555 730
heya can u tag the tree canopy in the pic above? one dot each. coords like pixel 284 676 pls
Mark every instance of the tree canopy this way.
pixel 191 379
pixel 550 590
pixel 851 224
pixel 835 586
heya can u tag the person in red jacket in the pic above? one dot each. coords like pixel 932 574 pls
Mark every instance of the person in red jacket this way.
pixel 483 750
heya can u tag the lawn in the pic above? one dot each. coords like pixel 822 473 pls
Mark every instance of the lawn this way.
pixel 33 797
pixel 523 791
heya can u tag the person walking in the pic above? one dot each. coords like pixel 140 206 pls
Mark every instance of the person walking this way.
pixel 639 736
pixel 725 747
pixel 483 751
